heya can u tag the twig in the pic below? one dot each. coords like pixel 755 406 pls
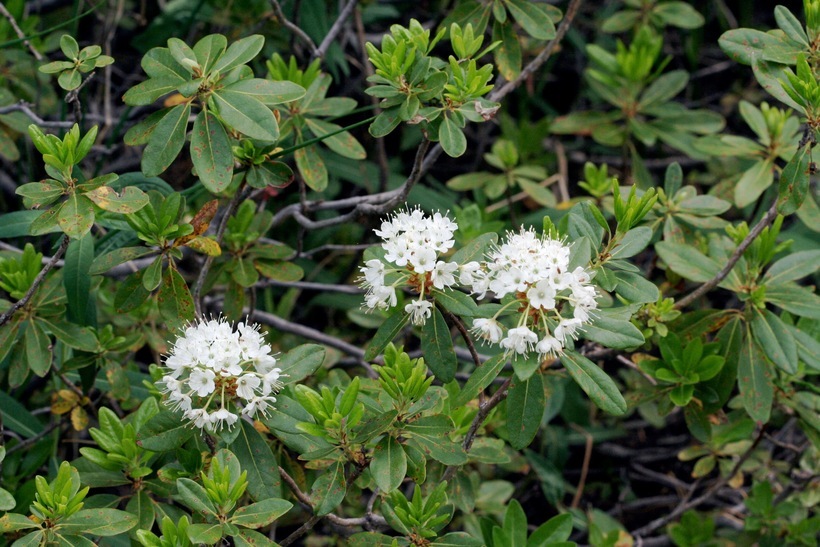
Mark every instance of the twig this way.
pixel 240 194
pixel 45 260
pixel 19 32
pixel 381 149
pixel 579 491
pixel 311 522
pixel 295 29
pixel 36 284
pixel 483 411
pixel 687 504
pixel 542 57
pixel 374 204
pixel 767 219
pixel 311 286
pixel 335 29
pixel 459 324
pixel 563 179
pixel 34 439
pixel 73 98
pixel 519 196
pixel 23 107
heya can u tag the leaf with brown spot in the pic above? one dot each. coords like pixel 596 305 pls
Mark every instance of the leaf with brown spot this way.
pixel 130 200
pixel 202 219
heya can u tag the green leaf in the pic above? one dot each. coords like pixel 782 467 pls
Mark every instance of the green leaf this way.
pixel 388 330
pixel 165 431
pixel 532 19
pixel 145 93
pixel 329 489
pixel 342 143
pixel 508 54
pixel 456 302
pixel 211 153
pixel 480 378
pixel 131 293
pixel 142 507
pixel 209 49
pixel 251 538
pixel 794 299
pixel 474 250
pixel 633 242
pixel 166 141
pixel 613 333
pixel 794 182
pixel 130 200
pixel 300 362
pixel 311 167
pixel 99 522
pixel 176 305
pixel 246 115
pixel 431 433
pixel 555 530
pixel 525 408
pixel 437 347
pixel 106 261
pixel 17 223
pixel 389 464
pixel 744 43
pixel 774 339
pixel 72 335
pixel 38 348
pixel 808 348
pixel 595 383
pixel 207 534
pixel 76 277
pixel 687 261
pixel 256 458
pixel 193 495
pixel 17 418
pixel 286 272
pixel 753 182
pixel 261 513
pixel 12 522
pixel 664 88
pixel 754 380
pixel 793 267
pixel 385 122
pixel 239 53
pixel 267 92
pixel 636 288
pixel 678 14
pixel 457 539
pixel 452 138
pixel 515 524
pixel 76 216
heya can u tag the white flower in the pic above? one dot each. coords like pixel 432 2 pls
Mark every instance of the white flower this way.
pixel 467 272
pixel 212 370
pixel 258 405
pixel 246 384
pixel 423 260
pixel 221 418
pixel 549 345
pixel 542 295
pixel 442 275
pixel 270 381
pixel 419 311
pixel 202 382
pixel 199 416
pixel 488 329
pixel 381 297
pixel 374 273
pixel 519 340
pixel 567 329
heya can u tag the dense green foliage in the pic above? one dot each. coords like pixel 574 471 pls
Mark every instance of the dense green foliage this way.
pixel 482 272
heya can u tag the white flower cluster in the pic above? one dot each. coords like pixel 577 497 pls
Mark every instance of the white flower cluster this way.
pixel 214 372
pixel 552 301
pixel 413 243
